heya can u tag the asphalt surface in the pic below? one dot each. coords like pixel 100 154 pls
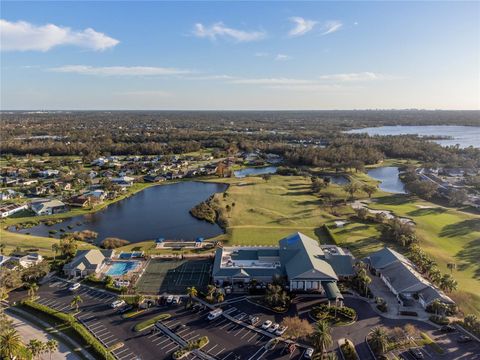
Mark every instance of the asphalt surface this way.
pixel 228 340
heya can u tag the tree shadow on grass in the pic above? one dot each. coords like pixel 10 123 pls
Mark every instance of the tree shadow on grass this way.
pixel 427 211
pixel 471 255
pixel 461 228
pixel 393 200
pixel 353 229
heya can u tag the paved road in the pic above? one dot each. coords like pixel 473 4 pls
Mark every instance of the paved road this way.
pixel 30 331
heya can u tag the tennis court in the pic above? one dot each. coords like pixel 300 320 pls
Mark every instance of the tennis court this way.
pixel 174 276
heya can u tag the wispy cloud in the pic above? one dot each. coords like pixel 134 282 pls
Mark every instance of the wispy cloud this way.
pixel 219 30
pixel 119 70
pixel 350 77
pixel 262 54
pixel 282 57
pixel 331 26
pixel 272 81
pixel 24 36
pixel 302 26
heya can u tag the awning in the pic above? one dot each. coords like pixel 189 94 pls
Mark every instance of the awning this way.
pixel 331 290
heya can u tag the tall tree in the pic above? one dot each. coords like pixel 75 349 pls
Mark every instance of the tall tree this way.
pixel 75 303
pixel 10 344
pixel 322 337
pixel 378 339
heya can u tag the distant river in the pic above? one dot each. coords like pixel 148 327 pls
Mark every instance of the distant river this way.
pixel 465 136
pixel 389 180
pixel 158 211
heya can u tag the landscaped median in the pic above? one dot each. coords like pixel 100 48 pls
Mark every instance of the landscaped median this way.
pixel 335 315
pixel 150 322
pixel 191 345
pixel 68 320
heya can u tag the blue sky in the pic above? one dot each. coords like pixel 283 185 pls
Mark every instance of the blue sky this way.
pixel 240 55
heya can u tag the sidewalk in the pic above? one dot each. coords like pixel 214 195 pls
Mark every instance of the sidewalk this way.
pixel 64 339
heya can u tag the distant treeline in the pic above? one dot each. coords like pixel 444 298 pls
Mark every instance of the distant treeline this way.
pixel 303 137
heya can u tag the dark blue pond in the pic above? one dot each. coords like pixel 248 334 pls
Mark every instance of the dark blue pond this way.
pixel 158 211
pixel 390 182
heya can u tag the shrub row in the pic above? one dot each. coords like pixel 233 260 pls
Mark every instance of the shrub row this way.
pixel 192 345
pixel 96 346
pixel 330 234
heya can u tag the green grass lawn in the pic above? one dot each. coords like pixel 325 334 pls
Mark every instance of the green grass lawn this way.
pixel 25 242
pixel 266 211
pixel 448 235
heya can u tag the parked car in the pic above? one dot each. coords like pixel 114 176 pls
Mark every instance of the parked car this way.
pixel 281 330
pixel 266 324
pixel 196 308
pixel 308 353
pixel 117 303
pixel 253 320
pixel 448 329
pixel 273 328
pixel 214 314
pixel 176 300
pixel 228 289
pixel 169 299
pixel 124 309
pixel 74 287
pixel 464 339
pixel 416 353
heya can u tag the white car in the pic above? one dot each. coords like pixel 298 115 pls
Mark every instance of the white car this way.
pixel 281 330
pixel 273 328
pixel 308 353
pixel 169 299
pixel 74 287
pixel 176 300
pixel 266 324
pixel 212 315
pixel 118 303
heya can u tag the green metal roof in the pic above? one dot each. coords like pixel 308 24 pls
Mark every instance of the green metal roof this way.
pixel 331 290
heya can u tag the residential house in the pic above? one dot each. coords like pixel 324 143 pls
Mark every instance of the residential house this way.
pixel 48 173
pixel 29 260
pixel 88 262
pixel 7 210
pixel 48 207
pixel 404 281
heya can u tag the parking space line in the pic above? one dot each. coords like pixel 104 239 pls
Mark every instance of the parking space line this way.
pixel 108 337
pixel 168 345
pixel 161 342
pixel 130 353
pixel 230 353
pixel 193 337
pixel 183 330
pixel 219 352
pixel 95 327
pixel 222 322
pixel 259 340
pixel 102 331
pixel 214 346
pixel 234 328
pixel 227 324
pixel 247 333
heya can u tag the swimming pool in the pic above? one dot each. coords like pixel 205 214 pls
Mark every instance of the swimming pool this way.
pixel 119 268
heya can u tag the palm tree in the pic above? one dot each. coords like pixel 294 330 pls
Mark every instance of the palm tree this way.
pixel 10 344
pixel 191 292
pixel 378 339
pixel 76 302
pixel 220 297
pixel 32 290
pixel 51 347
pixel 322 337
pixel 36 347
pixel 210 292
pixel 451 266
pixel 448 283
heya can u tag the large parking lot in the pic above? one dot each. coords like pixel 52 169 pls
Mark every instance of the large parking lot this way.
pixel 228 340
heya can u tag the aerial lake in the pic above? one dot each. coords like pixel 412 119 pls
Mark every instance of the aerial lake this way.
pixel 390 182
pixel 465 136
pixel 158 211
pixel 255 171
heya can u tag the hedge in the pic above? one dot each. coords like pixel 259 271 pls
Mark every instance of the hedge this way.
pixel 98 348
pixel 149 322
pixel 191 345
pixel 330 234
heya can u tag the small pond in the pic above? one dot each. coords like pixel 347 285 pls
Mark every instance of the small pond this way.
pixel 336 179
pixel 255 171
pixel 390 182
pixel 158 211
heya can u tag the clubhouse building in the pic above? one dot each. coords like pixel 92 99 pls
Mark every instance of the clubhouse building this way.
pixel 300 260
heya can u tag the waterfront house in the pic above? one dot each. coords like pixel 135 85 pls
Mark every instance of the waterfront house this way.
pixel 10 209
pixel 48 207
